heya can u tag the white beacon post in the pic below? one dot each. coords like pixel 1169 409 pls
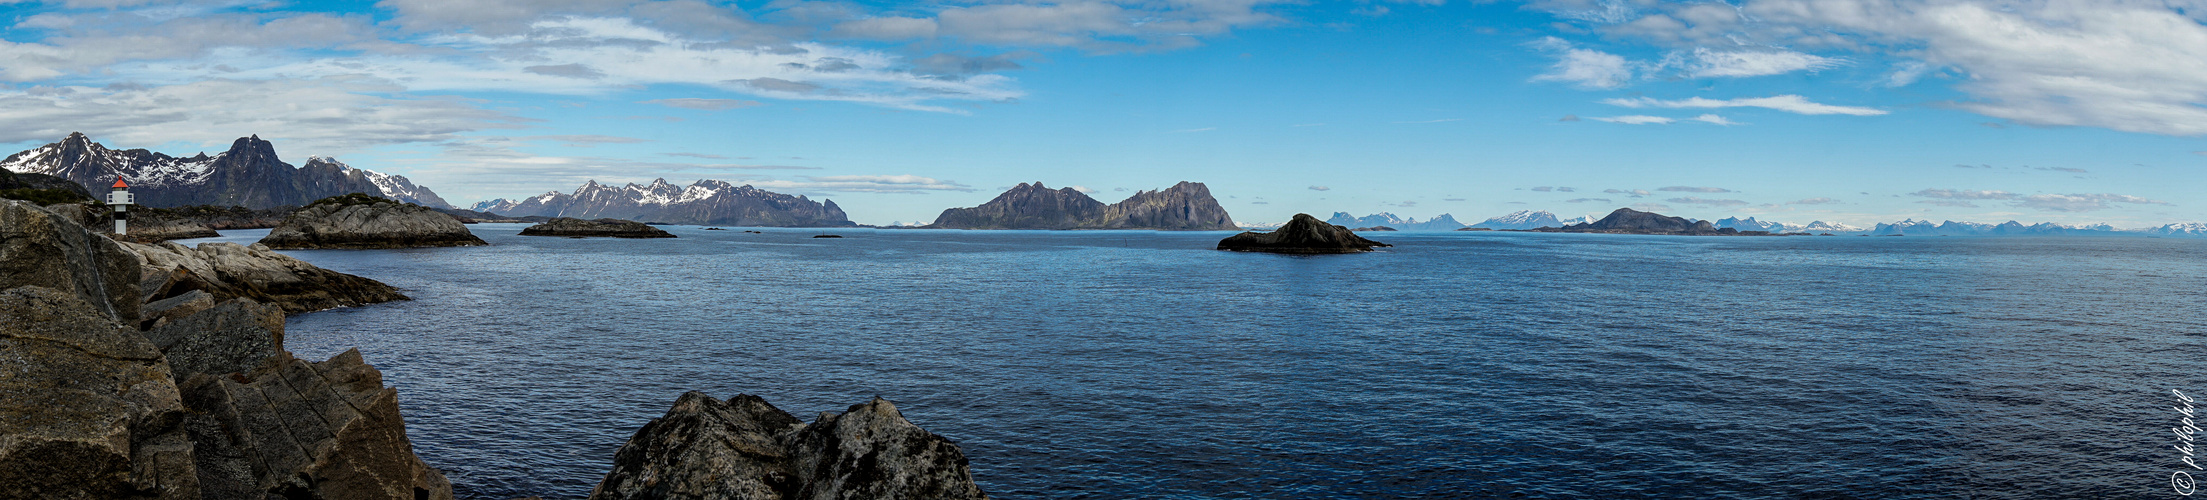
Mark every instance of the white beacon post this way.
pixel 120 198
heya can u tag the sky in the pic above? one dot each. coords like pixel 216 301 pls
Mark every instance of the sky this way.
pixel 1852 111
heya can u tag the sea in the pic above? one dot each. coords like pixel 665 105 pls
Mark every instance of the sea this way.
pixel 1139 364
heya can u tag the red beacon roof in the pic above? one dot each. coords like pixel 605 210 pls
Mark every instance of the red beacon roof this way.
pixel 119 183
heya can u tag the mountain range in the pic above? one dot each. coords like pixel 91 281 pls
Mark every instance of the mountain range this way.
pixel 1522 219
pixel 249 174
pixel 705 202
pixel 1442 222
pixel 1187 206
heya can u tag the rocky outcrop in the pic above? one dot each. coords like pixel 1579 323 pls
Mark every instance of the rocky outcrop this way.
pixel 1373 228
pixel 1629 221
pixel 1187 206
pixel 293 429
pixel 40 188
pixel 744 448
pixel 1303 235
pixel 703 202
pixel 230 271
pixel 40 248
pixel 90 409
pixel 358 221
pixel 612 228
pixel 93 409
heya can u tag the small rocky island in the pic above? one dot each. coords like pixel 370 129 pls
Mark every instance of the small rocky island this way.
pixel 746 449
pixel 359 221
pixel 613 228
pixel 1302 235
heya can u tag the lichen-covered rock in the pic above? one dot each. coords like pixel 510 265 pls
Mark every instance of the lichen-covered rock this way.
pixel 39 248
pixel 293 429
pixel 744 448
pixel 357 221
pixel 232 337
pixel 616 228
pixel 89 410
pixel 1303 234
pixel 230 270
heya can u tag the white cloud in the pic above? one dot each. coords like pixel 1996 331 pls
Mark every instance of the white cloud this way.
pixel 1705 63
pixel 325 115
pixel 1788 103
pixel 1714 119
pixel 1694 189
pixel 1696 200
pixel 704 104
pixel 1964 194
pixel 1585 68
pixel 2119 64
pixel 1083 189
pixel 2081 202
pixel 1636 119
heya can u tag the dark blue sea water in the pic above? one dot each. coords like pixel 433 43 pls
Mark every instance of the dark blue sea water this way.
pixel 1137 364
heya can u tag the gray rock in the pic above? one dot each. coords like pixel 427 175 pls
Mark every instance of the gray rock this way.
pixel 39 248
pixel 1187 206
pixel 232 337
pixel 90 410
pixel 162 311
pixel 1304 235
pixel 358 221
pixel 230 271
pixel 293 429
pixel 744 448
pixel 617 228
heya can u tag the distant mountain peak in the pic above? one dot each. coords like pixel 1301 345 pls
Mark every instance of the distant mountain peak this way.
pixel 249 174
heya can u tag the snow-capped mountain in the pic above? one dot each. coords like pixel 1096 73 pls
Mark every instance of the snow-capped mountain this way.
pixel 1912 227
pixel 249 174
pixel 706 201
pixel 2197 229
pixel 1522 219
pixel 1829 227
pixel 1750 224
pixel 1583 219
pixel 1442 222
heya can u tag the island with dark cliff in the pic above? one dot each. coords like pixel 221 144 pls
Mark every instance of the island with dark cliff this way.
pixel 609 228
pixel 1187 206
pixel 1301 235
pixel 359 221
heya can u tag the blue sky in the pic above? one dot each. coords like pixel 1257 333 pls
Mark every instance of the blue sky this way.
pixel 1853 111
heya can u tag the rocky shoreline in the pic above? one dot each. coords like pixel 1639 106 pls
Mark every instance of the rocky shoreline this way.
pixel 359 221
pixel 159 371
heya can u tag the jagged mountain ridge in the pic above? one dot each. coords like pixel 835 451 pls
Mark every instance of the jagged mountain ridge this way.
pixel 706 201
pixel 1522 219
pixel 249 174
pixel 1442 222
pixel 1186 206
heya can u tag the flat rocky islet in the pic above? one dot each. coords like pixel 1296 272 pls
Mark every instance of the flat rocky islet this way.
pixel 606 228
pixel 360 221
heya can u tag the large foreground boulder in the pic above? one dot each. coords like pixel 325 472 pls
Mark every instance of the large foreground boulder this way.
pixel 87 407
pixel 293 429
pixel 229 271
pixel 744 448
pixel 358 221
pixel 616 228
pixel 40 248
pixel 1303 235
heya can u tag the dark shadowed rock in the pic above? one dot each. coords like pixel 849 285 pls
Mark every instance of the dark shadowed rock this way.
pixel 230 271
pixel 39 248
pixel 357 221
pixel 1629 221
pixel 293 429
pixel 89 409
pixel 744 448
pixel 612 228
pixel 1303 234
pixel 1374 228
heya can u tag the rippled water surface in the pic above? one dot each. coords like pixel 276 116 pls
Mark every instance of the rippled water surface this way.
pixel 1132 364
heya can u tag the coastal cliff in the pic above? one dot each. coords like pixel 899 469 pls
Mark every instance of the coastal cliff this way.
pixel 359 221
pixel 1187 206
pixel 745 449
